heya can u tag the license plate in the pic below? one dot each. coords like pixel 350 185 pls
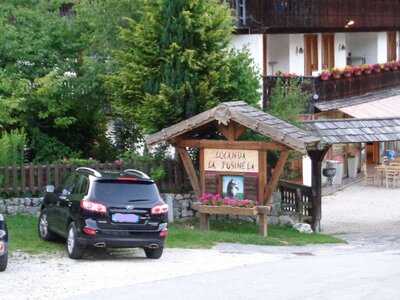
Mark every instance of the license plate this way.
pixel 125 218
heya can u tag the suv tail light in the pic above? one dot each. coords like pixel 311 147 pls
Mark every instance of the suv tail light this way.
pixel 159 209
pixel 93 206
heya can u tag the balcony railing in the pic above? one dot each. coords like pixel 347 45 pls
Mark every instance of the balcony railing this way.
pixel 333 89
pixel 321 15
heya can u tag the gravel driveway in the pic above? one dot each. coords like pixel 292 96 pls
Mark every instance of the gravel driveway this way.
pixel 362 210
pixel 369 218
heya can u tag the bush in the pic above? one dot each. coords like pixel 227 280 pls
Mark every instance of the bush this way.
pixel 151 164
pixel 12 147
pixel 48 149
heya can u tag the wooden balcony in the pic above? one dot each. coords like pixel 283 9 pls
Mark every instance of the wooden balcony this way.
pixel 280 16
pixel 334 89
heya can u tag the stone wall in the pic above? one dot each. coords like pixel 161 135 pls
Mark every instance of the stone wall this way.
pixel 181 205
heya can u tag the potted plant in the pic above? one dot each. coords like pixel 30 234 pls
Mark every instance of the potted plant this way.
pixel 325 75
pixel 377 68
pixel 348 71
pixel 387 66
pixel 367 69
pixel 215 204
pixel 357 71
pixel 337 73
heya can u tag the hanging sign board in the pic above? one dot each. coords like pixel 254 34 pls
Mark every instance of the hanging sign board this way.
pixel 227 160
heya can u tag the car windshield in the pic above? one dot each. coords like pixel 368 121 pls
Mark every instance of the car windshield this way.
pixel 124 192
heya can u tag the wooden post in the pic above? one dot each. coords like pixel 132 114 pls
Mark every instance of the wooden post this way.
pixel 204 222
pixel 263 219
pixel 262 175
pixel 317 157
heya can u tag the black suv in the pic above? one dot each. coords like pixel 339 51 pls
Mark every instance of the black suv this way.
pixel 3 244
pixel 108 209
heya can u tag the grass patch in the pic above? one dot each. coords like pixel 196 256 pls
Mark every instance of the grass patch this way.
pixel 24 236
pixel 187 235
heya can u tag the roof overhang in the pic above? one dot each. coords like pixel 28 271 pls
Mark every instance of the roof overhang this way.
pixel 341 131
pixel 240 112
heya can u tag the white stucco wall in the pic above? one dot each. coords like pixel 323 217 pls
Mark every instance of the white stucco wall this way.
pixel 382 48
pixel 296 60
pixel 277 53
pixel 340 55
pixel 363 44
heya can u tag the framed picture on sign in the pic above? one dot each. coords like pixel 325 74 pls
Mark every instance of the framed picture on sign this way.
pixel 233 187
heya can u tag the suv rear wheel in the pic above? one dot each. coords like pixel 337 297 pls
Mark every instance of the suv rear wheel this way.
pixel 43 227
pixel 75 251
pixel 153 253
pixel 3 261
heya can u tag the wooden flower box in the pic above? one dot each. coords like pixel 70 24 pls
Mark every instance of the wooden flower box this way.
pixel 206 210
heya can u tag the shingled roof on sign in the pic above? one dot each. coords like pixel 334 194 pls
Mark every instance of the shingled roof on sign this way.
pixel 355 130
pixel 246 115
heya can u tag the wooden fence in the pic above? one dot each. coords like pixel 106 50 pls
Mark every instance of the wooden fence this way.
pixel 31 179
pixel 296 199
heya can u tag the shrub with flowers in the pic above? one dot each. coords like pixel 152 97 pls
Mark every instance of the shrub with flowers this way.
pixel 217 200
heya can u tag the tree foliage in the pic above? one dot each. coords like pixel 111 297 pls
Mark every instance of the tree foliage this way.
pixel 288 100
pixel 175 62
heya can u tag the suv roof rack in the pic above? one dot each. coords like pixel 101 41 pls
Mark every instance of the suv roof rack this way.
pixel 136 173
pixel 89 171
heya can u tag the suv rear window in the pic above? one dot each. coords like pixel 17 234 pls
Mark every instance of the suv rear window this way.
pixel 117 191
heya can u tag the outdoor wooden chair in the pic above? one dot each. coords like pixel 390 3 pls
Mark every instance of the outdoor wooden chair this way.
pixel 371 178
pixel 392 177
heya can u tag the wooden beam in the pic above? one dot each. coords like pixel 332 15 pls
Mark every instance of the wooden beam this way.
pixel 317 157
pixel 228 131
pixel 276 175
pixel 262 175
pixel 191 172
pixel 239 145
pixel 239 130
pixel 202 172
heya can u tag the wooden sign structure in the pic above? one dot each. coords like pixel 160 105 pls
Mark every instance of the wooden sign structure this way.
pixel 227 160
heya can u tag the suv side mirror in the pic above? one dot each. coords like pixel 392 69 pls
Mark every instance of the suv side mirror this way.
pixel 49 188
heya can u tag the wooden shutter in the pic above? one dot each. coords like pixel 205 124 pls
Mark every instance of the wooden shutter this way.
pixel 392 47
pixel 311 54
pixel 328 51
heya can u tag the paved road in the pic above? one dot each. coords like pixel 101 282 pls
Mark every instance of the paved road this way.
pixel 368 267
pixel 349 272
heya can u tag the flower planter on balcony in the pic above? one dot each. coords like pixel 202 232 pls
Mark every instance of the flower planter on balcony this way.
pixel 207 210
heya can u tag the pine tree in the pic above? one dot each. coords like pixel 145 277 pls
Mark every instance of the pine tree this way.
pixel 176 62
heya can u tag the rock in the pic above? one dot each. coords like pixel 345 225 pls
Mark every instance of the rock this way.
pixel 273 220
pixel 12 209
pixel 303 228
pixel 37 202
pixel 286 220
